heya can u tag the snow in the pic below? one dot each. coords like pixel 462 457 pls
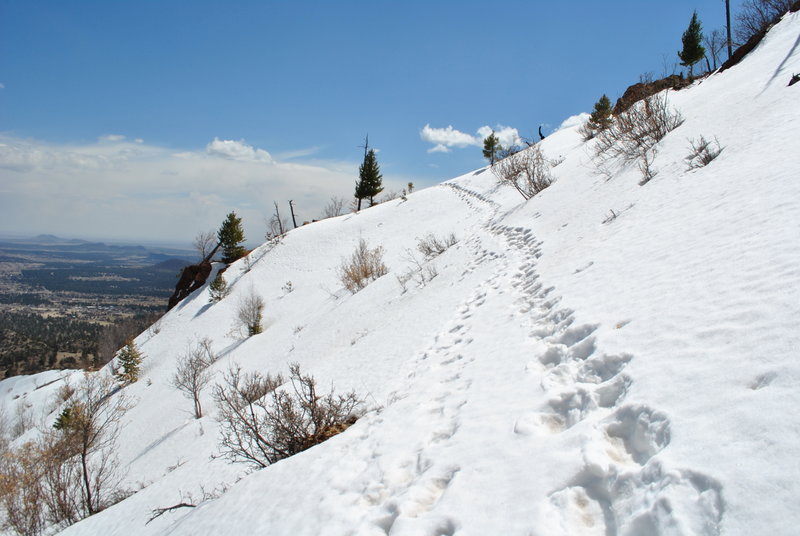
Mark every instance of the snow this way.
pixel 569 370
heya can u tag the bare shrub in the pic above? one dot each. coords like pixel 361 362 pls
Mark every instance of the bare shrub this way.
pixel 420 272
pixel 70 471
pixel 634 134
pixel 527 171
pixel 21 493
pixel 89 427
pixel 637 129
pixel 703 152
pixel 192 375
pixel 586 132
pixel 205 242
pixel 755 16
pixel 714 44
pixel 23 419
pixel 364 266
pixel 389 195
pixel 431 246
pixel 335 207
pixel 261 423
pixel 646 166
pixel 250 314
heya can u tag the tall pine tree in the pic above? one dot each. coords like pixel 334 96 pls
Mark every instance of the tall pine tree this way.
pixel 491 146
pixel 601 116
pixel 231 237
pixel 693 50
pixel 370 180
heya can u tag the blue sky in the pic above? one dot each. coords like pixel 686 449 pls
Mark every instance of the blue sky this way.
pixel 152 119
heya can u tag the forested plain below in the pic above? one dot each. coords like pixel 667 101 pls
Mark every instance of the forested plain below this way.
pixel 60 297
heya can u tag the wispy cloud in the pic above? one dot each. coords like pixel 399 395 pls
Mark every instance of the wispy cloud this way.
pixel 2 85
pixel 299 153
pixel 445 139
pixel 124 188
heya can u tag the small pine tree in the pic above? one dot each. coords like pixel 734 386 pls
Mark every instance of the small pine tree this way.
pixel 491 146
pixel 693 50
pixel 370 180
pixel 231 236
pixel 70 417
pixel 601 116
pixel 218 288
pixel 129 359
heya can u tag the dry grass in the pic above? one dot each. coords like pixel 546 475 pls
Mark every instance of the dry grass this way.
pixel 364 266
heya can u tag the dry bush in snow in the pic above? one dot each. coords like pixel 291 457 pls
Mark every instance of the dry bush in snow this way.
pixel 192 374
pixel 364 266
pixel 755 16
pixel 703 152
pixel 432 246
pixel 261 423
pixel 250 314
pixel 634 134
pixel 335 207
pixel 637 129
pixel 70 471
pixel 528 171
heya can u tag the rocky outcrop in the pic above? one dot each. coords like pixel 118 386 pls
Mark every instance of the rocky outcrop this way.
pixel 192 278
pixel 642 90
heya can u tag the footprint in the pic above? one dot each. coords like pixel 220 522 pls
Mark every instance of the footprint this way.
pixel 539 424
pixel 656 501
pixel 644 431
pixel 554 355
pixel 603 368
pixel 577 513
pixel 576 334
pixel 583 349
pixel 573 405
pixel 612 392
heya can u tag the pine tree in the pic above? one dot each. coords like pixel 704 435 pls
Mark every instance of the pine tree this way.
pixel 601 116
pixel 231 236
pixel 693 51
pixel 129 358
pixel 370 180
pixel 218 288
pixel 491 146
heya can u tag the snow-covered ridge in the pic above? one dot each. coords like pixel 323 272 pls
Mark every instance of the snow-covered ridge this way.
pixel 606 358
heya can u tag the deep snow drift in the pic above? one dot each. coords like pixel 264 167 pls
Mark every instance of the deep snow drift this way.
pixel 570 370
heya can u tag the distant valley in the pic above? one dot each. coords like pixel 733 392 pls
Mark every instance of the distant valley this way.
pixel 58 295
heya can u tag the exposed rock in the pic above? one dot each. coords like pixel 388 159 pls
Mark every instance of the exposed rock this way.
pixel 192 278
pixel 642 90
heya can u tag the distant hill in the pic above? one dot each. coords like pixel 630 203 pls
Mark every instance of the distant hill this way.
pixel 170 265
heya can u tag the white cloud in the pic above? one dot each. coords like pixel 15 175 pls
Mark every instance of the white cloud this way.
pixel 439 149
pixel 447 137
pixel 237 150
pixel 444 139
pixel 128 189
pixel 111 137
pixel 574 121
pixel 2 85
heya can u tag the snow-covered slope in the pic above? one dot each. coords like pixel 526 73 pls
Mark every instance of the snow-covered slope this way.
pixel 566 372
